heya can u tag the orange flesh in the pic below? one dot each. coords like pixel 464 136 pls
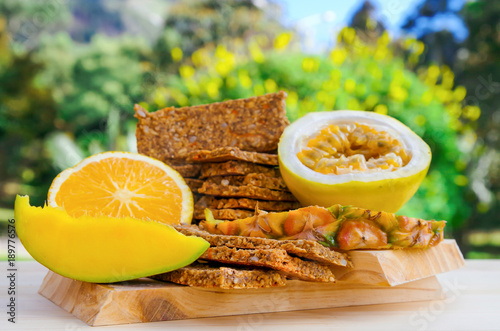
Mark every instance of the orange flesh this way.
pixel 121 187
pixel 340 149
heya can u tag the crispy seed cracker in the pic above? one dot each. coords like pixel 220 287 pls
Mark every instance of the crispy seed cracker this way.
pixel 245 203
pixel 224 154
pixel 253 124
pixel 222 214
pixel 277 259
pixel 309 249
pixel 187 170
pixel 216 276
pixel 233 167
pixel 259 180
pixel 245 191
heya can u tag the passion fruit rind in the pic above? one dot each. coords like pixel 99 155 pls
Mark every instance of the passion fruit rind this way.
pixel 340 227
pixel 377 189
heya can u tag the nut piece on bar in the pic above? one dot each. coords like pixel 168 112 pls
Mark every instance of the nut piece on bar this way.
pixel 205 275
pixel 304 248
pixel 260 180
pixel 277 259
pixel 233 167
pixel 171 133
pixel 245 203
pixel 224 154
pixel 245 191
pixel 222 214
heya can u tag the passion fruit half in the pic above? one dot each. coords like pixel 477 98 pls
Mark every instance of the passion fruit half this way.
pixel 354 158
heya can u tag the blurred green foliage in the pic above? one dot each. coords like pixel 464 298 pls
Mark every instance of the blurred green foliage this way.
pixel 70 100
pixel 475 62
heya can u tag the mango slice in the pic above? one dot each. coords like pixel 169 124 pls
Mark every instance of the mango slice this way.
pixel 102 249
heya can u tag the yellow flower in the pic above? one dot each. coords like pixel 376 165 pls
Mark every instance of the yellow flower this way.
pixel 212 89
pixel 381 109
pixel 396 92
pixel 179 97
pixel 256 52
pixel 370 101
pixel 193 88
pixel 338 55
pixel 186 71
pixel 199 57
pixel 336 75
pixel 384 39
pixel 282 40
pixel 292 99
pixel 330 102
pixel 427 97
pixel 245 79
pixel 353 104
pixel 472 112
pixel 258 89
pixel 461 180
pixel 349 85
pixel 176 54
pixel 348 34
pixel 310 64
pixel 442 94
pixel 322 96
pixel 448 79
pixel 455 110
pixel 433 71
pixel 220 51
pixel 459 93
pixel 160 97
pixel 231 82
pixel 270 85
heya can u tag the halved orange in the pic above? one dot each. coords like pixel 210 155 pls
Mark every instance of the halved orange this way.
pixel 121 184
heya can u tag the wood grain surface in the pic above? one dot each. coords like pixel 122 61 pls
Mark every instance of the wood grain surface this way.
pixel 472 303
pixel 395 267
pixel 378 277
pixel 146 300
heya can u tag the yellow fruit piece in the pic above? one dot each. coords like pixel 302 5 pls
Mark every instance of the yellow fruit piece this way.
pixel 352 168
pixel 102 249
pixel 119 184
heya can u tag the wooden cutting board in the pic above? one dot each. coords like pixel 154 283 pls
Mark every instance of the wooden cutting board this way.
pixel 377 277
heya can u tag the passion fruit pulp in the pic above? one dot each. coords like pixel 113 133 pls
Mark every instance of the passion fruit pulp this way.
pixel 355 158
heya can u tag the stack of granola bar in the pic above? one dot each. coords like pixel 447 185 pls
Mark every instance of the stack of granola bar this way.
pixel 225 150
pixel 236 262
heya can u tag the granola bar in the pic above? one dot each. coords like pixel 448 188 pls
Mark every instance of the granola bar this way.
pixel 245 203
pixel 253 124
pixel 206 275
pixel 186 170
pixel 277 259
pixel 194 184
pixel 222 214
pixel 260 180
pixel 245 191
pixel 236 168
pixel 223 154
pixel 308 249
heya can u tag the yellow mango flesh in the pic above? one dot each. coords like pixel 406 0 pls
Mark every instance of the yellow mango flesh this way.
pixel 102 249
